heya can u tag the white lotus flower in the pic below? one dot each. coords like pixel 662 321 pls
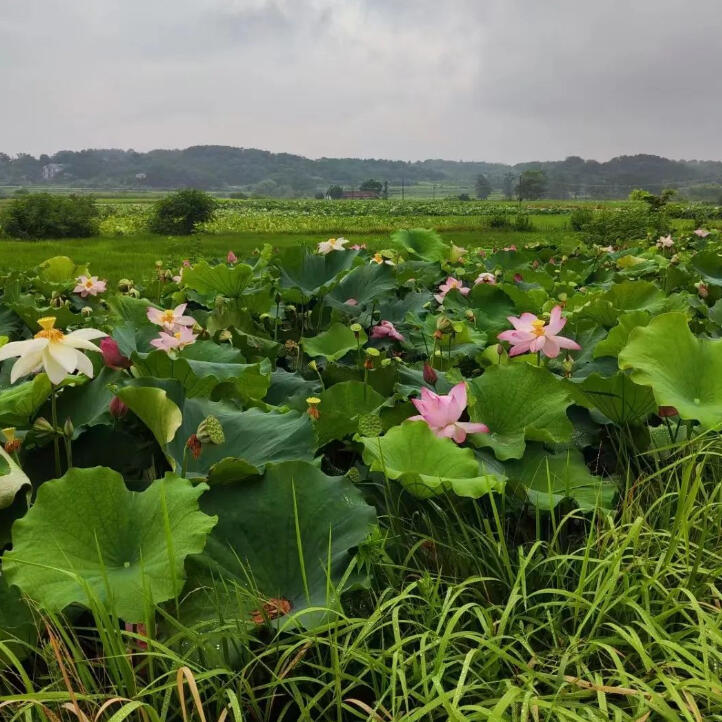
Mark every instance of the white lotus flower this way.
pixel 332 244
pixel 52 351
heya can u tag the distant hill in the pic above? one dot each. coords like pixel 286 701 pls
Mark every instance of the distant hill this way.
pixel 264 173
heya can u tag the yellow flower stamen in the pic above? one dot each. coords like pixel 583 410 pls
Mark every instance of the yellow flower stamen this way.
pixel 47 323
pixel 538 327
pixel 168 317
pixel 313 400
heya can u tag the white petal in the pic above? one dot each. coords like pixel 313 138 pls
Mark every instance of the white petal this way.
pixel 86 333
pixel 19 348
pixel 84 365
pixel 56 373
pixel 64 355
pixel 75 342
pixel 25 365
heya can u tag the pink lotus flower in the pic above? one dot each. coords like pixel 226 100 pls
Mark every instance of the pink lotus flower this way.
pixel 177 340
pixel 386 329
pixel 665 241
pixel 88 286
pixel 530 334
pixel 442 414
pixel 450 284
pixel 701 232
pixel 112 357
pixel 186 263
pixel 510 248
pixel 489 278
pixel 351 302
pixel 231 257
pixel 358 247
pixel 518 278
pixel 170 319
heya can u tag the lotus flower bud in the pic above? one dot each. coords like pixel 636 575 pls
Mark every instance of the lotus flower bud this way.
pixel 112 357
pixel 430 375
pixel 117 408
pixel 444 325
pixel 43 426
pixel 225 335
pixel 210 431
pixel 68 429
pixel 469 314
pixel 666 411
pixel 313 366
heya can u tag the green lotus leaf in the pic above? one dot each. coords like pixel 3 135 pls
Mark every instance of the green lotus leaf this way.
pixel 204 365
pixel 617 397
pixel 12 479
pixel 291 390
pixel 340 407
pixel 519 402
pixel 221 279
pixel 708 265
pixel 286 535
pixel 492 306
pixel 364 284
pixel 683 371
pixel 422 243
pixel 549 478
pixel 88 534
pixel 617 337
pixel 304 274
pixel 426 465
pixel 60 269
pixel 10 322
pixel 397 310
pixel 17 628
pixel 155 409
pixel 132 330
pixel 19 404
pixel 334 343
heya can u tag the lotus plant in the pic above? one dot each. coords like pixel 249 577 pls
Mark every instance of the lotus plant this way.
pixel 332 244
pixel 450 284
pixel 665 241
pixel 171 319
pixel 442 414
pixel 89 286
pixel 175 341
pixel 485 277
pixel 532 334
pixel 386 329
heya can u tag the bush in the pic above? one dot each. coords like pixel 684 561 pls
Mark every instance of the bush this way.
pixel 523 223
pixel 611 226
pixel 499 221
pixel 238 195
pixel 580 218
pixel 42 215
pixel 179 213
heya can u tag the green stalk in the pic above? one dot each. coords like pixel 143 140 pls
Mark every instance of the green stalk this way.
pixel 54 417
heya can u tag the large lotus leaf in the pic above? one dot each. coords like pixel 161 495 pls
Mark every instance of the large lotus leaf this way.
pixel 426 465
pixel 397 309
pixel 519 402
pixel 17 628
pixel 305 274
pixel 286 535
pixel 617 397
pixel 19 404
pixel 617 337
pixel 334 343
pixel 60 269
pixel 221 279
pixel 291 390
pixel 422 243
pixel 204 365
pixel 364 284
pixel 27 308
pixel 684 371
pixel 549 478
pixel 88 534
pixel 709 266
pixel 715 313
pixel 253 438
pixel 88 404
pixel 12 479
pixel 10 322
pixel 491 306
pixel 340 408
pixel 132 329
pixel 155 409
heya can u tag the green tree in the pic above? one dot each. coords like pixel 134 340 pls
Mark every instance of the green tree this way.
pixel 334 192
pixel 371 185
pixel 507 185
pixel 532 185
pixel 42 215
pixel 482 187
pixel 179 213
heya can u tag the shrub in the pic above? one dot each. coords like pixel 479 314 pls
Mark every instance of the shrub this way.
pixel 609 227
pixel 42 215
pixel 238 195
pixel 499 221
pixel 179 213
pixel 523 223
pixel 464 197
pixel 580 218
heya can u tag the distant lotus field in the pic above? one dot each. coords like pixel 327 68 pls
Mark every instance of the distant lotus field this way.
pixel 409 481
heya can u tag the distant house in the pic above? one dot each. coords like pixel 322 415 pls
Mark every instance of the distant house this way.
pixel 50 170
pixel 360 195
pixel 141 176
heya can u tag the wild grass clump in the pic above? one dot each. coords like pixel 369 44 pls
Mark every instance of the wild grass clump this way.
pixel 476 610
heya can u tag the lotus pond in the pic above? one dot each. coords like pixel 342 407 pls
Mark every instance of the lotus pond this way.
pixel 425 482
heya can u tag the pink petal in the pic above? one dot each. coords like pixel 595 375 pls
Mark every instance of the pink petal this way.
pixel 473 428
pixel 551 347
pixel 537 344
pixel 565 342
pixel 457 400
pixel 519 349
pixel 556 322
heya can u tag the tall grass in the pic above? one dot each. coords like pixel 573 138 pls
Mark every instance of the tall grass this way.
pixel 475 612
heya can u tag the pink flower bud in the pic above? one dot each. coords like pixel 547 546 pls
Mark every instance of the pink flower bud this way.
pixel 117 408
pixel 665 411
pixel 111 354
pixel 430 375
pixel 231 257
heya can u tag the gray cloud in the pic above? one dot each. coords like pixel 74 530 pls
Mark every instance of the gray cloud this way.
pixel 503 80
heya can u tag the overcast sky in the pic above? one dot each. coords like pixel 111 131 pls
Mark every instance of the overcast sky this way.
pixel 497 80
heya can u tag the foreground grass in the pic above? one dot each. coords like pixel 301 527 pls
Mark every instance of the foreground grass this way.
pixel 134 256
pixel 567 617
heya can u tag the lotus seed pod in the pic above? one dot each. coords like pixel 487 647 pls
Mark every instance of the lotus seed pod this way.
pixel 210 431
pixel 370 425
pixel 353 475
